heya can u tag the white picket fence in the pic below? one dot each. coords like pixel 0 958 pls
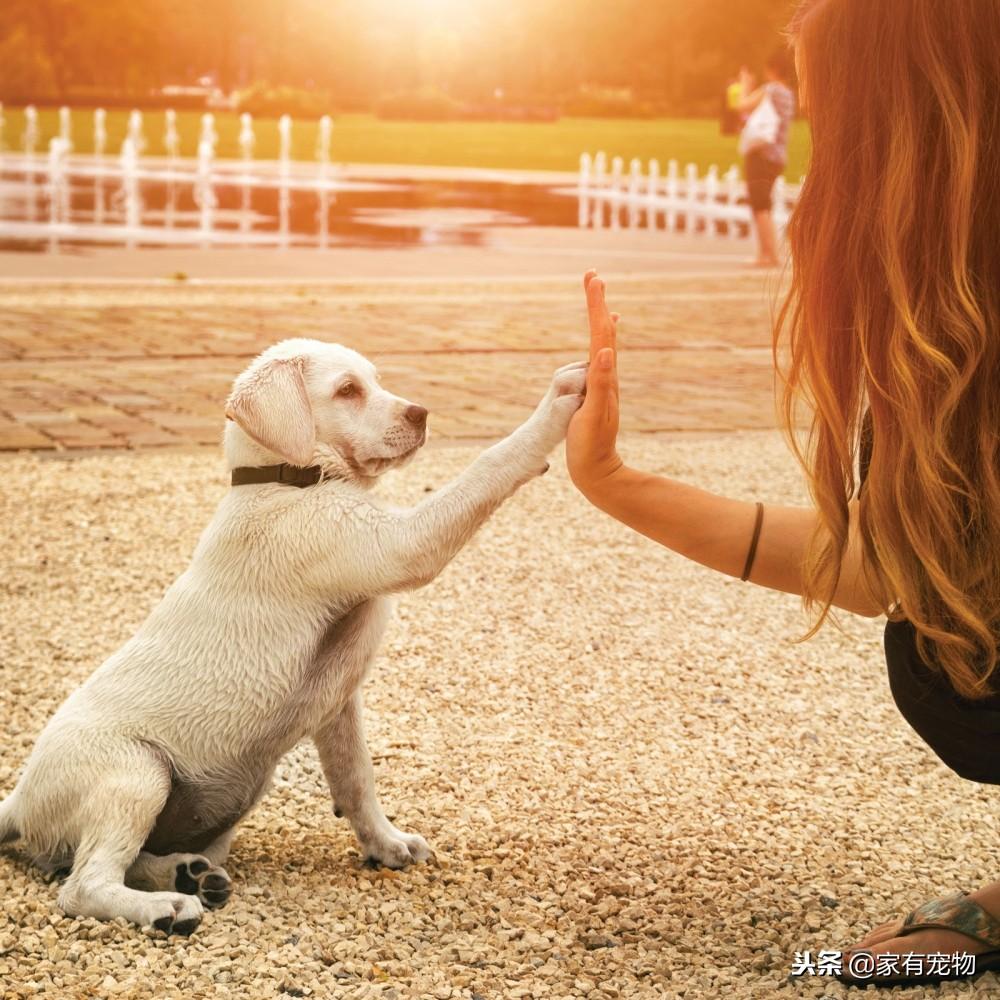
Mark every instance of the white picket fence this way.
pixel 714 205
pixel 37 188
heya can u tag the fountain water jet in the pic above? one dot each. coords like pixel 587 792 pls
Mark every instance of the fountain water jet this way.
pixel 130 190
pixel 247 140
pixel 135 131
pixel 59 148
pixel 284 172
pixel 65 127
pixel 323 138
pixel 172 144
pixel 30 144
pixel 100 143
pixel 39 185
pixel 204 192
pixel 600 182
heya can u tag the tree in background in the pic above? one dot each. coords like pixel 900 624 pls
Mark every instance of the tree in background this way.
pixel 676 53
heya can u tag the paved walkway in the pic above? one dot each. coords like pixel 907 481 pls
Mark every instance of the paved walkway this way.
pixel 526 252
pixel 137 366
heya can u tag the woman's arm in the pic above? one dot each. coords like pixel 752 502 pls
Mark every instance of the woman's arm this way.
pixel 712 530
pixel 752 100
pixel 716 531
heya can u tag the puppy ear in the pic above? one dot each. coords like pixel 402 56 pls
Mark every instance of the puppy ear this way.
pixel 270 403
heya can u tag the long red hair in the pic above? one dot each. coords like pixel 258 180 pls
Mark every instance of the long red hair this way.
pixel 894 308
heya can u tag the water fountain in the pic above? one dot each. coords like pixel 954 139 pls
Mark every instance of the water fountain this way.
pixel 59 148
pixel 129 195
pixel 100 144
pixel 135 131
pixel 112 190
pixel 600 180
pixel 323 139
pixel 172 145
pixel 583 190
pixel 30 144
pixel 247 140
pixel 171 137
pixel 65 127
pixel 204 192
pixel 284 173
pixel 130 190
pixel 208 133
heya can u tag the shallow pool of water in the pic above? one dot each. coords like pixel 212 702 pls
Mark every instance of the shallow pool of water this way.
pixel 390 214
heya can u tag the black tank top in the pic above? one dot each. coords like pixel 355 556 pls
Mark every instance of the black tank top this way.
pixel 964 734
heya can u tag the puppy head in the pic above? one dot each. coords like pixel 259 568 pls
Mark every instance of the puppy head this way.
pixel 316 403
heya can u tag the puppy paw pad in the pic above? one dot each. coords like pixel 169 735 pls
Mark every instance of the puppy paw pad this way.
pixel 198 877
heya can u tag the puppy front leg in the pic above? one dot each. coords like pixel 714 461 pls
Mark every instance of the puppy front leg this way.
pixel 351 778
pixel 417 544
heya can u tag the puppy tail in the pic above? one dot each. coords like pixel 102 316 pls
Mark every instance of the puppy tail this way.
pixel 8 820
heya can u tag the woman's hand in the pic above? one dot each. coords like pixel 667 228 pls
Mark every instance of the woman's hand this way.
pixel 712 530
pixel 591 452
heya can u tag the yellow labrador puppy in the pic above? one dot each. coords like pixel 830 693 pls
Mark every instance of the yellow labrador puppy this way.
pixel 139 779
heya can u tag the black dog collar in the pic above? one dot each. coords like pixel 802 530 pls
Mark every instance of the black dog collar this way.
pixel 286 475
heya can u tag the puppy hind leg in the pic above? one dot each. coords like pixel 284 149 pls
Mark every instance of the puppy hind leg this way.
pixel 191 874
pixel 55 866
pixel 218 850
pixel 96 888
pixel 200 875
pixel 217 886
pixel 8 820
pixel 122 810
pixel 349 773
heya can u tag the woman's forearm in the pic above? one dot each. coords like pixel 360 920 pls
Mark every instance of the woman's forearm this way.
pixel 716 532
pixel 750 102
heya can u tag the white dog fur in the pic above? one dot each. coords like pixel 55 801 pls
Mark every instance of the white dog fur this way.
pixel 139 779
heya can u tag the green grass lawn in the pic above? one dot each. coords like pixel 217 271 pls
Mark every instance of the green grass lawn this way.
pixel 365 139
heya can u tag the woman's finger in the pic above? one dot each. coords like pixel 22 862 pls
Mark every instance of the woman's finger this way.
pixel 602 327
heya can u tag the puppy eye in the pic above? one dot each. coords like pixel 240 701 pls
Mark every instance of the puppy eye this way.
pixel 347 390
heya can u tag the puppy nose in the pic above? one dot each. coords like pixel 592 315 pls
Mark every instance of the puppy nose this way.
pixel 416 414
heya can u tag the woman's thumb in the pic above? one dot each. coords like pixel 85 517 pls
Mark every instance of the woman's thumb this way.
pixel 602 371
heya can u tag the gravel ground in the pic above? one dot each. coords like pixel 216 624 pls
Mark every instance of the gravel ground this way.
pixel 635 783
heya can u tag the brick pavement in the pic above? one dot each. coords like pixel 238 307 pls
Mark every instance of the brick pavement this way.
pixel 134 366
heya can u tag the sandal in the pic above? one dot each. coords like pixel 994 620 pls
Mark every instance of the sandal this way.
pixel 953 913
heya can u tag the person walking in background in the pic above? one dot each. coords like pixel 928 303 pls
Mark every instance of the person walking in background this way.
pixel 764 147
